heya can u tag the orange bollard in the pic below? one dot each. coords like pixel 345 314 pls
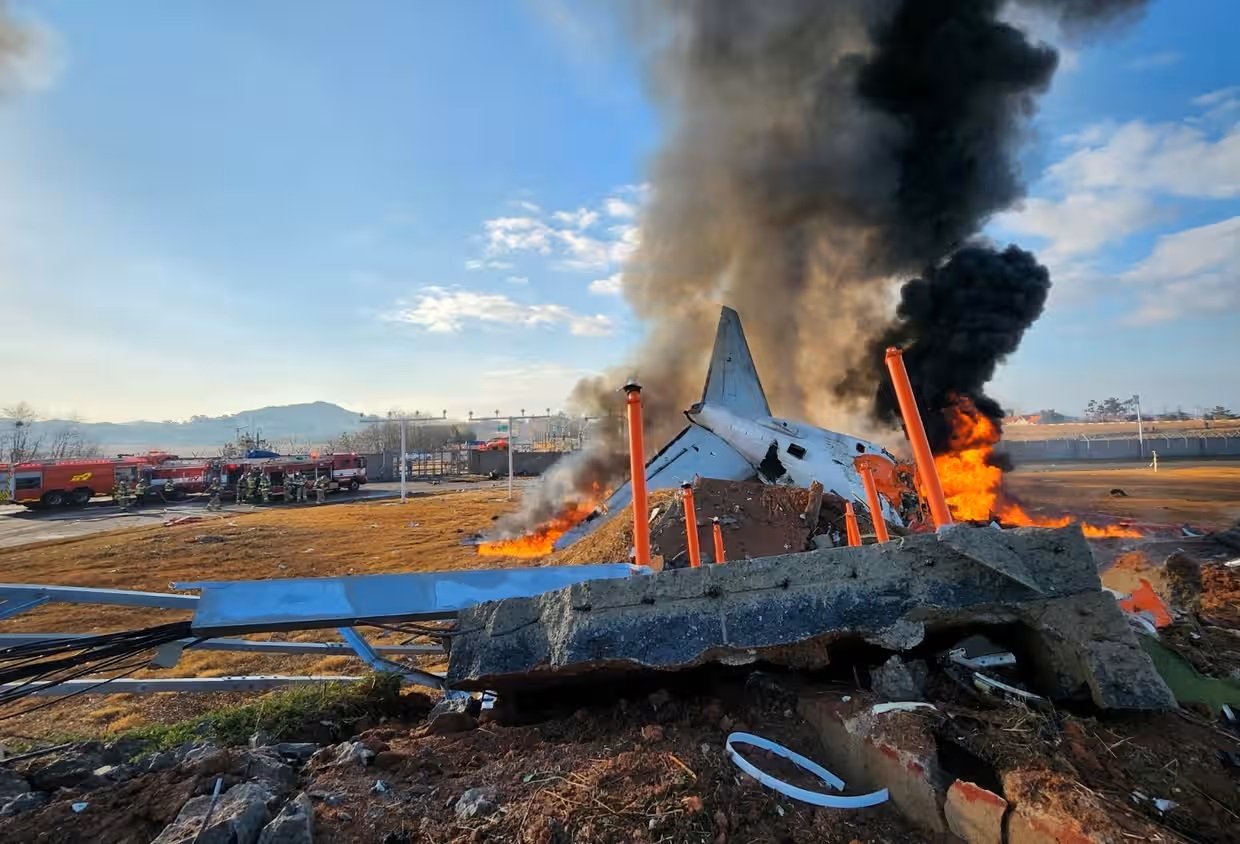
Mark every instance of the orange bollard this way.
pixel 691 531
pixel 871 498
pixel 917 438
pixel 637 468
pixel 720 555
pixel 850 525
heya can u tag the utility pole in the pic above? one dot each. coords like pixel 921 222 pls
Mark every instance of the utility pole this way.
pixel 1136 400
pixel 510 445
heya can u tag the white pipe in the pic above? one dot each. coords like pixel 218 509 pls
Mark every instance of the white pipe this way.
pixel 815 798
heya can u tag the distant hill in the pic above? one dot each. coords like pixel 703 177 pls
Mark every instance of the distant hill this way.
pixel 311 423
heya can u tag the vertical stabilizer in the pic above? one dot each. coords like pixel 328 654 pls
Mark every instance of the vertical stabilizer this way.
pixel 732 380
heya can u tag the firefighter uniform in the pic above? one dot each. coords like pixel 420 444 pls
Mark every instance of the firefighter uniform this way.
pixel 264 487
pixel 320 489
pixel 213 503
pixel 141 490
pixel 170 489
pixel 121 494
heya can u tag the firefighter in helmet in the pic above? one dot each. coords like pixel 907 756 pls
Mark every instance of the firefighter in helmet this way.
pixel 170 490
pixel 142 488
pixel 121 494
pixel 320 489
pixel 213 489
pixel 264 487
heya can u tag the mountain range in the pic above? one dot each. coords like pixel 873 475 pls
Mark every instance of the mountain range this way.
pixel 310 423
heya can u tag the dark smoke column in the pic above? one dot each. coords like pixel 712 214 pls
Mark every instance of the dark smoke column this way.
pixel 956 323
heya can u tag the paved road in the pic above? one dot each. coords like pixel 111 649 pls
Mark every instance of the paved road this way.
pixel 20 526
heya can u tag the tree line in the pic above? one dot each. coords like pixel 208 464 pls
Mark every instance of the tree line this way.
pixel 23 438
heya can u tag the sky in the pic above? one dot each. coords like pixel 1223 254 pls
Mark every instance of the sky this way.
pixel 207 207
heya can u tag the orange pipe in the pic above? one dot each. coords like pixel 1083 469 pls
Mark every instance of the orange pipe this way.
pixel 637 470
pixel 871 498
pixel 691 531
pixel 720 555
pixel 916 433
pixel 850 525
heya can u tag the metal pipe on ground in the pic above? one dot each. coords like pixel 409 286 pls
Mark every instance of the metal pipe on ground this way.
pixel 916 433
pixel 637 473
pixel 850 525
pixel 871 500
pixel 691 531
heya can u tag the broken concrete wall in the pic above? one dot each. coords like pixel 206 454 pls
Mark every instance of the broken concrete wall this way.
pixel 791 609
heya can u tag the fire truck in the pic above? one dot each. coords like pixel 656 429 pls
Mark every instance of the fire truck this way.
pixel 276 469
pixel 55 483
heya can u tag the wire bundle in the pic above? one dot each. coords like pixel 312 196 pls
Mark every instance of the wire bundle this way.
pixel 27 668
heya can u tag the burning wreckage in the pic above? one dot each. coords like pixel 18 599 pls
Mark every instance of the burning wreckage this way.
pixel 1009 617
pixel 1034 589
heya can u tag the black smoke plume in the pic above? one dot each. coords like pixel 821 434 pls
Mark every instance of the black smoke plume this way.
pixel 956 323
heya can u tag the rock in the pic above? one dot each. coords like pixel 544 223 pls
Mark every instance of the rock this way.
pixel 265 767
pixel 894 681
pixel 153 762
pixel 72 769
pixel 294 824
pixel 207 759
pixel 476 803
pixel 388 759
pixel 11 785
pixel 296 751
pixel 260 739
pixel 652 733
pixel 345 753
pixel 454 715
pixel 238 818
pixel 23 803
pixel 123 750
pixel 330 798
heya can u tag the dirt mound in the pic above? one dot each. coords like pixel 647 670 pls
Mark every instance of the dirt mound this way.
pixel 1220 596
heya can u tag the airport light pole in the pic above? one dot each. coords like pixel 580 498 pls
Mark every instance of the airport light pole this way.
pixel 1136 400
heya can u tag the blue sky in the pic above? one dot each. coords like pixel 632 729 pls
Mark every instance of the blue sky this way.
pixel 212 206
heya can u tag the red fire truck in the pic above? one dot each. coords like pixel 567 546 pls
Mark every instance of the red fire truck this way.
pixel 54 483
pixel 348 470
pixel 275 468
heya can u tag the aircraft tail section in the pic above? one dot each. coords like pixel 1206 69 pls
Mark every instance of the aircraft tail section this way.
pixel 732 380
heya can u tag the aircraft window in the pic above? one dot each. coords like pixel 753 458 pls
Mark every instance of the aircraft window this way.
pixel 796 451
pixel 860 448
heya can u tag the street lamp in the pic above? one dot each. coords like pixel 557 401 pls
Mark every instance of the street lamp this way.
pixel 1136 400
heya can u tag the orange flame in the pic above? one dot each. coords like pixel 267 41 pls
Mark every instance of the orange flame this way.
pixel 974 486
pixel 541 541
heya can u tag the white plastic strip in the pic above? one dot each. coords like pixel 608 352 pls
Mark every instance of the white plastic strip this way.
pixel 901 706
pixel 815 798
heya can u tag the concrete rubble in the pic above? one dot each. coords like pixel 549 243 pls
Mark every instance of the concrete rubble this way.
pixel 1038 586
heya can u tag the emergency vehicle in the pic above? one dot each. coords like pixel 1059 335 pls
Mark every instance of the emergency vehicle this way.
pixel 55 483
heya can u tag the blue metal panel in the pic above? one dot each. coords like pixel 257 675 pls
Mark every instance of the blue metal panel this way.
pixel 304 603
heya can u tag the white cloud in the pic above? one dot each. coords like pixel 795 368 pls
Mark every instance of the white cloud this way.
pixel 1221 106
pixel 443 311
pixel 487 264
pixel 582 218
pixel 620 208
pixel 1080 223
pixel 517 279
pixel 1153 61
pixel 1170 158
pixel 610 286
pixel 1192 271
pixel 572 237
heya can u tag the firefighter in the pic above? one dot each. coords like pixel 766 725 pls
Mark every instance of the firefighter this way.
pixel 170 490
pixel 141 489
pixel 294 489
pixel 320 489
pixel 264 487
pixel 251 483
pixel 121 495
pixel 303 489
pixel 213 503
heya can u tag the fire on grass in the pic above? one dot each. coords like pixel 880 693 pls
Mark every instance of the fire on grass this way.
pixel 541 541
pixel 973 482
